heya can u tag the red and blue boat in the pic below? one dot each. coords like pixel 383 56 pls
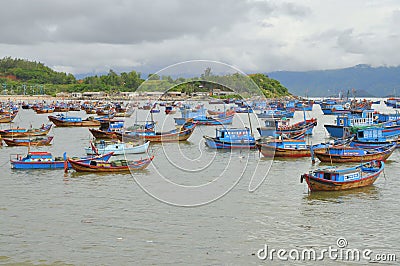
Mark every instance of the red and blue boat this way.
pixel 45 160
pixel 333 179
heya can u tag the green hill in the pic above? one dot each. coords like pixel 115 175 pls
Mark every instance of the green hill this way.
pixel 19 76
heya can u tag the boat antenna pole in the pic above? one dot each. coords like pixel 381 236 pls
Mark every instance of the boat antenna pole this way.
pixel 248 115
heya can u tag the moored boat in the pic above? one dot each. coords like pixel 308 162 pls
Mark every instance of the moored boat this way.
pixel 288 148
pixel 372 137
pixel 231 138
pixel 113 166
pixel 7 118
pixel 181 133
pixel 343 154
pixel 37 141
pixel 118 148
pixel 70 121
pixel 25 132
pixel 333 179
pixel 45 160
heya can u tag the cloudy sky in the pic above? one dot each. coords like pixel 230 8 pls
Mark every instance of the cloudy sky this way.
pixel 79 36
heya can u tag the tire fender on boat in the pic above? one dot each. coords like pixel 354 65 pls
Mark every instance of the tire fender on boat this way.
pixel 301 178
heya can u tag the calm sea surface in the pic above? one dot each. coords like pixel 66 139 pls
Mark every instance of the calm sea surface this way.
pixel 82 219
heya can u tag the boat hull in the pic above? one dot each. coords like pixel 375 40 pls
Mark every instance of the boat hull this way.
pixel 87 167
pixel 316 184
pixel 335 131
pixel 83 123
pixel 324 156
pixel 100 134
pixel 59 164
pixel 21 134
pixel 28 142
pixel 271 151
pixel 181 135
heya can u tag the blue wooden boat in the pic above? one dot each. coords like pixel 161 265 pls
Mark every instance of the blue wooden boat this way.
pixel 392 102
pixel 372 137
pixel 108 129
pixel 181 133
pixel 270 131
pixel 231 138
pixel 343 121
pixel 275 113
pixel 335 109
pixel 288 148
pixel 72 121
pixel 306 124
pixel 243 110
pixel 333 179
pixel 343 154
pixel 199 116
pixel 170 110
pixel 25 132
pixel 279 127
pixel 45 160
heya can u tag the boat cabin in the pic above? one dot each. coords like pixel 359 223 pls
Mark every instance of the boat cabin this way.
pixel 38 157
pixel 346 152
pixel 333 174
pixel 234 134
pixel 371 134
pixel 367 118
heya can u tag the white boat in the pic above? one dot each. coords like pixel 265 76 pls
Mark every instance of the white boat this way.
pixel 119 148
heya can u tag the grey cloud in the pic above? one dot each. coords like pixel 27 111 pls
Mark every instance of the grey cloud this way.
pixel 296 10
pixel 118 22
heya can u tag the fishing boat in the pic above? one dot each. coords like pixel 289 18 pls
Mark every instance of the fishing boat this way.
pixel 275 113
pixel 231 138
pixel 181 133
pixel 288 148
pixel 7 118
pixel 208 120
pixel 219 112
pixel 372 137
pixel 45 160
pixel 283 126
pixel 44 109
pixel 118 148
pixel 113 166
pixel 170 110
pixel 344 154
pixel 107 129
pixel 37 141
pixel 72 121
pixel 345 121
pixel 333 179
pixel 124 112
pixel 25 132
pixel 199 116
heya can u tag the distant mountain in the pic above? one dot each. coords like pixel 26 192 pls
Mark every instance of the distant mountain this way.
pixel 366 81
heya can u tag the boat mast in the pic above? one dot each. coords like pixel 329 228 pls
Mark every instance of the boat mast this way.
pixel 248 115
